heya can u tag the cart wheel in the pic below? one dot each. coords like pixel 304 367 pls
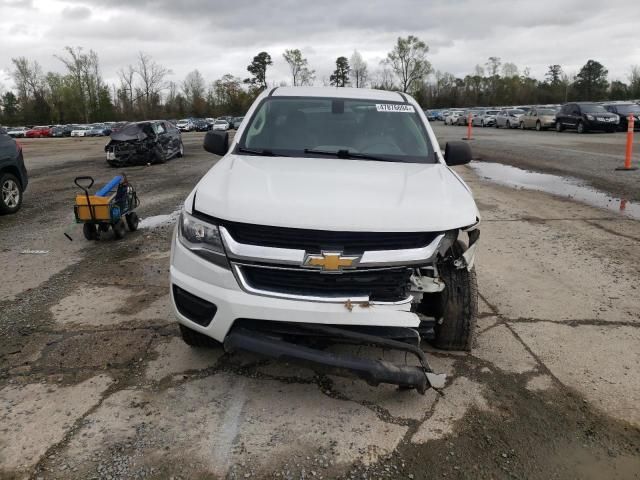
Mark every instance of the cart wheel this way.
pixel 132 221
pixel 119 229
pixel 90 231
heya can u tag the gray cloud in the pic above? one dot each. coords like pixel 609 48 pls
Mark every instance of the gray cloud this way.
pixel 223 37
pixel 76 13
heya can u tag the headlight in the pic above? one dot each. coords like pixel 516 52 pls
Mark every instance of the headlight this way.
pixel 617 119
pixel 589 117
pixel 202 238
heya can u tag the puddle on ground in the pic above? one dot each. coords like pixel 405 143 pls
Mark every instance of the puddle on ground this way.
pixel 562 186
pixel 159 220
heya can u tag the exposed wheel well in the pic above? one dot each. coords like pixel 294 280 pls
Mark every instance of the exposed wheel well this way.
pixel 14 171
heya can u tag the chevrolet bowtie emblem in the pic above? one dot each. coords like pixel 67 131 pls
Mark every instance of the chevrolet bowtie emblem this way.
pixel 330 261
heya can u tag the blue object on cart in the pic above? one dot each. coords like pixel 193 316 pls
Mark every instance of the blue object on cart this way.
pixel 106 190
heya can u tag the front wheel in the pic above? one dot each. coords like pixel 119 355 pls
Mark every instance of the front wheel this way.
pixel 181 150
pixel 508 124
pixel 521 125
pixel 10 193
pixel 456 307
pixel 538 126
pixel 559 127
pixel 581 128
pixel 90 231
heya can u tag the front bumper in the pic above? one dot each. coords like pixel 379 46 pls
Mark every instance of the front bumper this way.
pixel 219 286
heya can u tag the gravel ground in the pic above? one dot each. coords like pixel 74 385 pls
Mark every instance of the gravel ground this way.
pixel 96 383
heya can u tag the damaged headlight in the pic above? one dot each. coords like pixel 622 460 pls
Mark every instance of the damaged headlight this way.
pixel 202 238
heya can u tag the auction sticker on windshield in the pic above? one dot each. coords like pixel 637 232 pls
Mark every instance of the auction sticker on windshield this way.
pixel 394 107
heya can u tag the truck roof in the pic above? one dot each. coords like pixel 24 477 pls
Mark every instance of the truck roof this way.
pixel 334 92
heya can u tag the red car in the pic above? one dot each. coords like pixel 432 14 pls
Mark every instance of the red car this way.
pixel 38 132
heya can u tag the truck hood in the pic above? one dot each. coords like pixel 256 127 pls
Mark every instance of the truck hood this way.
pixel 335 194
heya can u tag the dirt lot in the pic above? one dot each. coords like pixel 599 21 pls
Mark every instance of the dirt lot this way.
pixel 96 383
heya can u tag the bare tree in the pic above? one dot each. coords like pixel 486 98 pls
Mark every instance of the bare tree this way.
pixel 152 75
pixel 194 91
pixel 408 59
pixel 358 72
pixel 84 69
pixel 127 76
pixel 299 66
pixel 28 77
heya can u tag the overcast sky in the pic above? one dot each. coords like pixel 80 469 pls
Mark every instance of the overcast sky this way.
pixel 222 37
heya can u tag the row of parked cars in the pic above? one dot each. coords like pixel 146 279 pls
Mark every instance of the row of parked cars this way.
pixel 581 116
pixel 71 130
pixel 205 124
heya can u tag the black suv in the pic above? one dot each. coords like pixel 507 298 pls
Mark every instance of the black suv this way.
pixel 585 116
pixel 13 175
pixel 623 110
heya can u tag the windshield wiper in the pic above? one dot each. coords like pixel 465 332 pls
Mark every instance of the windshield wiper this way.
pixel 265 152
pixel 347 154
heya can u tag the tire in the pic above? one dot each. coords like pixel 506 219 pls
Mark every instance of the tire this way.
pixel 456 305
pixel 10 193
pixel 496 125
pixel 90 231
pixel 521 125
pixel 559 127
pixel 508 125
pixel 581 128
pixel 196 339
pixel 482 124
pixel 132 221
pixel 538 126
pixel 119 229
pixel 180 153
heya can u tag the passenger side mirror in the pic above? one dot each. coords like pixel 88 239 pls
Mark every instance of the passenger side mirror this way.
pixel 457 153
pixel 216 142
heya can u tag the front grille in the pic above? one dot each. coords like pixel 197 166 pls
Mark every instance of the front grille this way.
pixel 390 285
pixel 314 241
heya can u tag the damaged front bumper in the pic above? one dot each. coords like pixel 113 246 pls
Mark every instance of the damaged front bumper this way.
pixel 271 341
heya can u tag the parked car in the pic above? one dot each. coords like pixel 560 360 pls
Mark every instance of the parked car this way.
pixel 538 118
pixel 441 114
pixel 235 124
pixel 623 110
pixel 98 130
pixel 485 118
pixel 586 116
pixel 201 125
pixel 13 175
pixel 464 118
pixel 57 131
pixel 17 132
pixel 38 132
pixel 452 117
pixel 221 125
pixel 509 118
pixel 258 262
pixel 80 131
pixel 186 125
pixel 142 143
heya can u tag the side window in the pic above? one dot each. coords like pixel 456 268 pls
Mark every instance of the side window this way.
pixel 159 128
pixel 576 110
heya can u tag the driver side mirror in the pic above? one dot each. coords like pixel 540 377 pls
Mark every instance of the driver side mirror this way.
pixel 216 142
pixel 457 153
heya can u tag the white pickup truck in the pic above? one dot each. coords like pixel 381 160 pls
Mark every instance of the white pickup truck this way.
pixel 332 216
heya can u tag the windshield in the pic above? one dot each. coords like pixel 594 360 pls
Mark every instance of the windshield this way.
pixel 593 109
pixel 627 109
pixel 220 122
pixel 492 112
pixel 546 111
pixel 390 131
pixel 516 111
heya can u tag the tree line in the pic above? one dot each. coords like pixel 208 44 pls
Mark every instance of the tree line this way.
pixel 145 90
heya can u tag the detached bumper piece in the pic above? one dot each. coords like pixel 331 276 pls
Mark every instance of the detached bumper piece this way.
pixel 271 343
